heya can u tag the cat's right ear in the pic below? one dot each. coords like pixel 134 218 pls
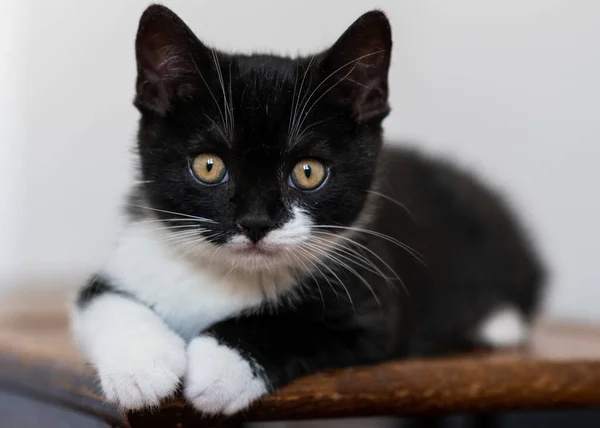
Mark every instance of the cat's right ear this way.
pixel 357 67
pixel 169 59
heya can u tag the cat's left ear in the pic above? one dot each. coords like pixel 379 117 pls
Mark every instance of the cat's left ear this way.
pixel 355 68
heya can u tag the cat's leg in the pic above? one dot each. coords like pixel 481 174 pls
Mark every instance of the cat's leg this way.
pixel 238 361
pixel 139 360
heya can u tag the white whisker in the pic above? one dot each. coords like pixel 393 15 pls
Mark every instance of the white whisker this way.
pixel 418 256
pixel 313 277
pixel 351 269
pixel 293 100
pixel 174 213
pixel 169 220
pixel 318 260
pixel 294 129
pixel 310 260
pixel 351 256
pixel 231 104
pixel 358 244
pixel 400 204
pixel 209 90
pixel 227 107
pixel 191 227
pixel 304 112
pixel 217 127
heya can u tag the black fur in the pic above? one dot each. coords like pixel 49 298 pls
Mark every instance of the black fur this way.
pixel 96 287
pixel 475 258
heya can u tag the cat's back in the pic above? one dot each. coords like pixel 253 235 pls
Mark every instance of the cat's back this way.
pixel 477 256
pixel 438 196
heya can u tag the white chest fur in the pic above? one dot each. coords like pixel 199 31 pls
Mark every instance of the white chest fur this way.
pixel 188 296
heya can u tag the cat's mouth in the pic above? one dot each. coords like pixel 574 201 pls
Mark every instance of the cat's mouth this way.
pixel 254 250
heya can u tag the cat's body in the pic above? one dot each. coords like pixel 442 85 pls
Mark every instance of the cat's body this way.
pixel 242 283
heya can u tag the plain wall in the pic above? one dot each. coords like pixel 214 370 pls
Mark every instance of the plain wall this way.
pixel 12 125
pixel 507 87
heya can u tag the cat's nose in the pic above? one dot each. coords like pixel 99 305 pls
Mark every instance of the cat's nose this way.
pixel 255 227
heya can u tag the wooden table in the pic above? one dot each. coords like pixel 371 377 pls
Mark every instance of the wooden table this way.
pixel 42 378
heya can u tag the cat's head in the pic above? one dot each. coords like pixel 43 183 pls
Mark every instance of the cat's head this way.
pixel 252 157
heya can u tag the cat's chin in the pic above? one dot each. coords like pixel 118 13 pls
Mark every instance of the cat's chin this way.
pixel 256 257
pixel 254 251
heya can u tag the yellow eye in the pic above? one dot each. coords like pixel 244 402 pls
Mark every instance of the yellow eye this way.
pixel 209 168
pixel 308 174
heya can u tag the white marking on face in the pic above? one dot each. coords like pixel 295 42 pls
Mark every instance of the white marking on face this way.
pixel 218 379
pixel 294 232
pixel 189 292
pixel 276 251
pixel 505 327
pixel 240 241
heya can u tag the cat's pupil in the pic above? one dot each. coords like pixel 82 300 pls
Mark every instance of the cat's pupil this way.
pixel 209 165
pixel 307 171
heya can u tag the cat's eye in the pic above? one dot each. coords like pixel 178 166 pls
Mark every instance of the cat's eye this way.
pixel 209 169
pixel 308 174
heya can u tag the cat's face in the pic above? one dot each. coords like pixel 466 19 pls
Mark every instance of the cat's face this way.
pixel 252 157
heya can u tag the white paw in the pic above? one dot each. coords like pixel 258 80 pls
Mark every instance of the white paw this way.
pixel 219 380
pixel 144 371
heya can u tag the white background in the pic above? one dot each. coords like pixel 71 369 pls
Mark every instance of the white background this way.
pixel 508 87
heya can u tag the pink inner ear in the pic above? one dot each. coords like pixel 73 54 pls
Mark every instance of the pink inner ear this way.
pixel 372 102
pixel 360 61
pixel 363 85
pixel 164 47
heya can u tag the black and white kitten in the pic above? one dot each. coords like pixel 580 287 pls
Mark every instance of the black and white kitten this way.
pixel 273 234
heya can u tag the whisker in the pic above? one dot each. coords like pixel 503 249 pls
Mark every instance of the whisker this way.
pixel 180 236
pixel 353 257
pixel 418 256
pixel 217 127
pixel 272 278
pixel 309 258
pixel 400 204
pixel 213 255
pixel 304 113
pixel 228 124
pixel 298 102
pixel 197 244
pixel 308 127
pixel 168 220
pixel 293 100
pixel 352 270
pixel 174 213
pixel 313 277
pixel 339 247
pixel 209 90
pixel 337 277
pixel 358 244
pixel 231 103
pixel 191 227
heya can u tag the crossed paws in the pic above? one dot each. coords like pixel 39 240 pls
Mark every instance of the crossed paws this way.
pixel 216 378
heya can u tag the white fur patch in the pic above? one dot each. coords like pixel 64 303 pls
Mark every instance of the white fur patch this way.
pixel 218 379
pixel 140 353
pixel 189 295
pixel 505 327
pixel 293 232
pixel 138 359
pixel 278 246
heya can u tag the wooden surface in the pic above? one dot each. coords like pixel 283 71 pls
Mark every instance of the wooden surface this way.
pixel 562 370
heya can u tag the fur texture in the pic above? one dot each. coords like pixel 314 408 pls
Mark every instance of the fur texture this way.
pixel 238 287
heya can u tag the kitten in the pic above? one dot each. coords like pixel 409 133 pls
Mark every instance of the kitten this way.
pixel 274 235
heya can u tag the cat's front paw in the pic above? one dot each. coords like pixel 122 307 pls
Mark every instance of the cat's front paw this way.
pixel 144 371
pixel 219 380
